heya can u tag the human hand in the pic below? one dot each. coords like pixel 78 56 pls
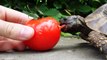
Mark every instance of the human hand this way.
pixel 13 30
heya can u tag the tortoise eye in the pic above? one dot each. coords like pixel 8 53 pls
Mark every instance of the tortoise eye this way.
pixel 63 19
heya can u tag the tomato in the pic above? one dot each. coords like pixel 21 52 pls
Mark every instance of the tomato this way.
pixel 46 34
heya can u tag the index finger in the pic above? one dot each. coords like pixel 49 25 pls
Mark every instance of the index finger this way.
pixel 11 15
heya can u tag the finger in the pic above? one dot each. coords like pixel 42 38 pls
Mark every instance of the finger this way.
pixel 8 45
pixel 15 31
pixel 17 45
pixel 13 15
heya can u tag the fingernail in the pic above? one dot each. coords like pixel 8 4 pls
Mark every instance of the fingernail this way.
pixel 26 33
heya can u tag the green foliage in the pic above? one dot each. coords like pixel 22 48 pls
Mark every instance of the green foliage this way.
pixel 54 8
pixel 66 34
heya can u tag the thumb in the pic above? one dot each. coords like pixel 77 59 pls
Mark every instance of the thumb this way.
pixel 15 31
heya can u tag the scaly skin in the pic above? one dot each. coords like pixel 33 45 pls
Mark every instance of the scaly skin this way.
pixel 77 24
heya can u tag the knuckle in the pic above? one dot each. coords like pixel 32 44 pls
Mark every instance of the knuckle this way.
pixel 8 30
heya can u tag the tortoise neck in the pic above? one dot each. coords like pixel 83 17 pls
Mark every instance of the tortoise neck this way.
pixel 83 27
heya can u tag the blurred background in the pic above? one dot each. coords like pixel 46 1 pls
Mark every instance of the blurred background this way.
pixel 54 8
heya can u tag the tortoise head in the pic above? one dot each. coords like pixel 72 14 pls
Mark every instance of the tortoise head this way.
pixel 71 23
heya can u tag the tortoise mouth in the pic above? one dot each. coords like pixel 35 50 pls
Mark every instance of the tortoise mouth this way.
pixel 65 27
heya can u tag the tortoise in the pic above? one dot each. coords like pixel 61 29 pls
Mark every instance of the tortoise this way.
pixel 92 28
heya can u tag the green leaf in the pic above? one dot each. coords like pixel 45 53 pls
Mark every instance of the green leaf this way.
pixel 85 9
pixel 66 34
pixel 93 9
pixel 51 12
pixel 34 15
pixel 58 16
pixel 97 0
pixel 43 8
pixel 37 1
pixel 57 5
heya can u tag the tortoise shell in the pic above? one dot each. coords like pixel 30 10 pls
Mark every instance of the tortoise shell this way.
pixel 98 20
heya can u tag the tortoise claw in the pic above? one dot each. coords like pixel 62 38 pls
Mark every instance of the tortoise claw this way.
pixel 104 49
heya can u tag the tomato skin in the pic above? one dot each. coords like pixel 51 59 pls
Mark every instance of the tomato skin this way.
pixel 46 34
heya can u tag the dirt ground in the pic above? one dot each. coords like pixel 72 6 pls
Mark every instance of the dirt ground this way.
pixel 67 49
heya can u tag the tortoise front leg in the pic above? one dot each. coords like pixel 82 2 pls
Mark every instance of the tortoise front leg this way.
pixel 97 39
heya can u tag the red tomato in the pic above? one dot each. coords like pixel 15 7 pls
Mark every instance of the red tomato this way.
pixel 46 35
